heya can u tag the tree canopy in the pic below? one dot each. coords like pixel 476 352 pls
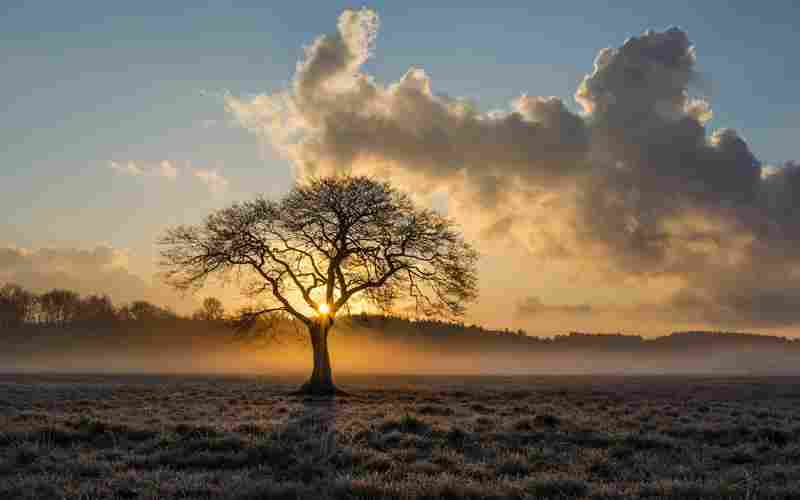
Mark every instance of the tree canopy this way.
pixel 328 242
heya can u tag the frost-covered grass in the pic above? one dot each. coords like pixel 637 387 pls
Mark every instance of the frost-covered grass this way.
pixel 406 438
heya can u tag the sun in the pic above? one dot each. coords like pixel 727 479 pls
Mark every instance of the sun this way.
pixel 324 308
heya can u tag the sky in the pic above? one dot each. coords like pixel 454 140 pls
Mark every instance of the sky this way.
pixel 121 119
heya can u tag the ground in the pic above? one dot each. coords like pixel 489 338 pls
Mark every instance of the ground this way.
pixel 147 437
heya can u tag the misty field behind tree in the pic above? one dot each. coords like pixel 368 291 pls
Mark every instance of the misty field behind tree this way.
pixel 95 335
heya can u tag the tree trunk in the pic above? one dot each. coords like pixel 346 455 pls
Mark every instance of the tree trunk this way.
pixel 321 381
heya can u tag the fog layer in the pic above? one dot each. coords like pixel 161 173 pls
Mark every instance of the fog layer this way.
pixel 379 345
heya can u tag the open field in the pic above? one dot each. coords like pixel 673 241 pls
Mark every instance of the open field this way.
pixel 150 437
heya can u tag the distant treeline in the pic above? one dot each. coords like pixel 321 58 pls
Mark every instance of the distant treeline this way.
pixel 61 329
pixel 65 308
pixel 441 331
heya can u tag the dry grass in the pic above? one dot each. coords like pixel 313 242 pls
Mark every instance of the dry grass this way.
pixel 405 438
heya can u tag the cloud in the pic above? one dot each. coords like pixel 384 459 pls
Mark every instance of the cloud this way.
pixel 168 170
pixel 214 181
pixel 126 168
pixel 533 306
pixel 101 270
pixel 634 188
pixel 164 169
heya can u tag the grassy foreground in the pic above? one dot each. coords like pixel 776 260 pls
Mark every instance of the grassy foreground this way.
pixel 132 437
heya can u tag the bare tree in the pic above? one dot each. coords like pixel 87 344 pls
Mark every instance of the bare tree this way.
pixel 59 306
pixel 146 312
pixel 329 242
pixel 212 310
pixel 16 306
pixel 96 309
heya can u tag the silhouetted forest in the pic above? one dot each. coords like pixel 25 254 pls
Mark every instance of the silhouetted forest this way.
pixel 61 330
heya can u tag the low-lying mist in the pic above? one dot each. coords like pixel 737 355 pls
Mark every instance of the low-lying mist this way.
pixel 379 345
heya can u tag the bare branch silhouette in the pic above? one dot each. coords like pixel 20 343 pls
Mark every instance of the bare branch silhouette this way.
pixel 330 240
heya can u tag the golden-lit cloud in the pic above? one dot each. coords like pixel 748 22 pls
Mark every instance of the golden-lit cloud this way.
pixel 632 190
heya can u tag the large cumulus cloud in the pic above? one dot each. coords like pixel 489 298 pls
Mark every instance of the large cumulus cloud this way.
pixel 634 186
